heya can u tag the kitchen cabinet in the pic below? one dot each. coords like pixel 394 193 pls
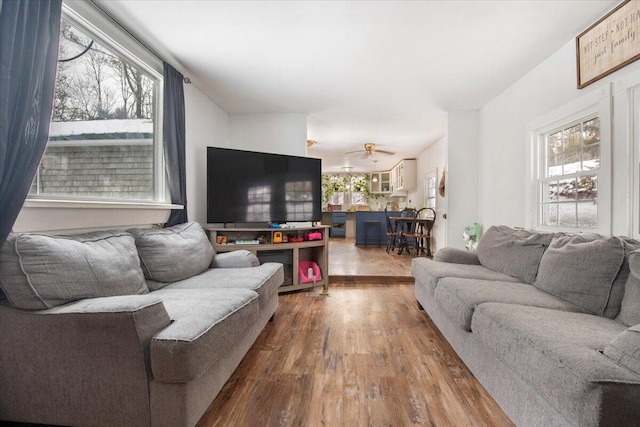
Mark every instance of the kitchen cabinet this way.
pixel 404 176
pixel 380 182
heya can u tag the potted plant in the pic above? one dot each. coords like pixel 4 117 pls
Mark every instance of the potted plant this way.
pixel 331 184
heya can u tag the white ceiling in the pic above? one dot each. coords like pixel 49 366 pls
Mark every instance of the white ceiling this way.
pixel 382 72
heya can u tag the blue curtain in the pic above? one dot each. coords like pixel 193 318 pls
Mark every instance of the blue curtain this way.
pixel 29 31
pixel 173 130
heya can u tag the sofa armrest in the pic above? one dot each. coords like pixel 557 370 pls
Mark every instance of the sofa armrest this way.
pixel 82 363
pixel 456 256
pixel 236 259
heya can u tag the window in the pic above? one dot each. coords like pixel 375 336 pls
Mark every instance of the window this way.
pixel 346 190
pixel 359 186
pixel 104 140
pixel 337 199
pixel 569 181
pixel 571 166
pixel 430 190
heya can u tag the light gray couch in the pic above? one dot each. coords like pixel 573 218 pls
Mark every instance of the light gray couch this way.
pixel 548 323
pixel 125 328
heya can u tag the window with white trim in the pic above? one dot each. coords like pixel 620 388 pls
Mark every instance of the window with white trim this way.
pixel 105 132
pixel 571 166
pixel 430 190
pixel 569 179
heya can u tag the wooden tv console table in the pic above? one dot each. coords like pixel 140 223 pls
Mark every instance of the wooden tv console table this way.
pixel 261 242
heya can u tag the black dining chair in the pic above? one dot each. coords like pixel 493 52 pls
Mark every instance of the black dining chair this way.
pixel 392 232
pixel 424 220
pixel 405 227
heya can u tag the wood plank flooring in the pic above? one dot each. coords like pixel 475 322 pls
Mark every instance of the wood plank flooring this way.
pixel 348 262
pixel 364 356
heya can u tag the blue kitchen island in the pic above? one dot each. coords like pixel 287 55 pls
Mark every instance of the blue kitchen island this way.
pixel 361 222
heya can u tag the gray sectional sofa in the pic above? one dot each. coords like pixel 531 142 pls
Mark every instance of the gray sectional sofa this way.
pixel 548 323
pixel 125 328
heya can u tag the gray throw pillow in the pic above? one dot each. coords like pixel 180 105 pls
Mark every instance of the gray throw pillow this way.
pixel 39 271
pixel 625 349
pixel 175 253
pixel 630 308
pixel 581 269
pixel 514 252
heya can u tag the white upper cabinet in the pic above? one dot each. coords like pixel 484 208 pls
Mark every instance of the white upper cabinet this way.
pixel 404 176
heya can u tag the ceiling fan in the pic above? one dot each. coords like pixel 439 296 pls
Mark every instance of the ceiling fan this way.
pixel 369 151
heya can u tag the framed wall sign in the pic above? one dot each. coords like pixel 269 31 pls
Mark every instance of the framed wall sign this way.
pixel 610 44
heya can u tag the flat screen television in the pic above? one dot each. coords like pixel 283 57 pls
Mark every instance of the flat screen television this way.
pixel 251 187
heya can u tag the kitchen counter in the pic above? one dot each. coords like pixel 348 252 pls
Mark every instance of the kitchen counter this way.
pixel 361 218
pixel 355 224
pixel 350 225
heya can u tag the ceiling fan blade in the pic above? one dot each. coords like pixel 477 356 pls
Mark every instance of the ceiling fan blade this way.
pixel 384 152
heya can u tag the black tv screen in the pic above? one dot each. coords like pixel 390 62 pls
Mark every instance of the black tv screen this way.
pixel 251 187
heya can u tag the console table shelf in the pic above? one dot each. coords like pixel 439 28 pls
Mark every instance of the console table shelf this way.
pixel 289 253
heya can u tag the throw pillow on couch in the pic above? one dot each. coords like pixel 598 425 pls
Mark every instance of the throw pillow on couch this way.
pixel 171 254
pixel 38 271
pixel 514 252
pixel 584 269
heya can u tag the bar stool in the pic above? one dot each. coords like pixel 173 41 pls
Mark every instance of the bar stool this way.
pixel 372 226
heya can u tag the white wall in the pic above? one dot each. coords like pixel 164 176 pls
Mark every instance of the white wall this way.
pixel 503 139
pixel 462 174
pixel 283 133
pixel 207 125
pixel 434 157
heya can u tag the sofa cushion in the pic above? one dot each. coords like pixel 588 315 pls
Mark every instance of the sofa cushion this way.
pixel 581 269
pixel 430 272
pixel 205 325
pixel 458 298
pixel 264 279
pixel 175 253
pixel 625 349
pixel 513 252
pixel 39 271
pixel 614 304
pixel 559 354
pixel 630 306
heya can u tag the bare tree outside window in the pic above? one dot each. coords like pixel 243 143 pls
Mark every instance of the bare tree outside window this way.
pixel 101 142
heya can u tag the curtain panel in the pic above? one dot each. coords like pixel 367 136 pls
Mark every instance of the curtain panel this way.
pixel 173 131
pixel 29 32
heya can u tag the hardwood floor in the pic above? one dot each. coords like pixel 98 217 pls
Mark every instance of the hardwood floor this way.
pixel 349 263
pixel 364 356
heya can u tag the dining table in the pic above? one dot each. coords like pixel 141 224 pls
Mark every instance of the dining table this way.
pixel 403 225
